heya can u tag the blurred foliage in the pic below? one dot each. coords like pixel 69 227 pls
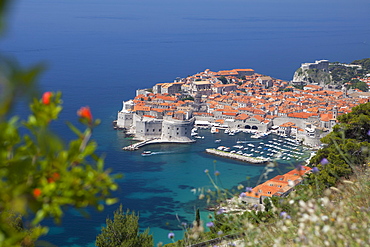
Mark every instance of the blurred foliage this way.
pixel 40 175
pixel 123 230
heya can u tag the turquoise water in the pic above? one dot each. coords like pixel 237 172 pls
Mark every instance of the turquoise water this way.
pixel 161 186
pixel 99 52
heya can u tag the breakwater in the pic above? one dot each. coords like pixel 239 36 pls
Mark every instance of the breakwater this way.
pixel 253 160
pixel 138 145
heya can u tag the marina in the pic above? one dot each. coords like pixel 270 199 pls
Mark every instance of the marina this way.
pixel 254 148
pixel 250 149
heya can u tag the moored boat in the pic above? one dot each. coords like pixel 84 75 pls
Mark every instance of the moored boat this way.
pixel 214 130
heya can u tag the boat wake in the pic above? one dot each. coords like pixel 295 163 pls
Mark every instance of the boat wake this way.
pixel 153 153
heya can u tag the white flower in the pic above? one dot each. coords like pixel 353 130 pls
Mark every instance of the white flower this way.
pixel 325 229
pixel 324 218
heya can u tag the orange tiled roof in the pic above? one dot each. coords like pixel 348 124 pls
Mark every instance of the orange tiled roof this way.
pixel 242 116
pixel 259 118
pixel 301 114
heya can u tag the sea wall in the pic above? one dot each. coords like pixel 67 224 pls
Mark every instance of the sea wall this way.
pixel 252 160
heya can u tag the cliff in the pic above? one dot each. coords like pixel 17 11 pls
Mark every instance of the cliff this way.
pixel 312 76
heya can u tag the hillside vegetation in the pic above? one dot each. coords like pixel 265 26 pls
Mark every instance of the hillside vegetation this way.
pixel 339 74
pixel 331 207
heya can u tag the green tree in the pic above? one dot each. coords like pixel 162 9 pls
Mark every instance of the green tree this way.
pixel 348 146
pixel 123 230
pixel 223 79
pixel 365 63
pixel 355 83
pixel 197 217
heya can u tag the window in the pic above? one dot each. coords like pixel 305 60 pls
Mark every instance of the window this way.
pixel 153 130
pixel 177 128
pixel 269 192
pixel 159 130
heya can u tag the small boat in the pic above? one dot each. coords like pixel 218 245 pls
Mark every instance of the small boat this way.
pixel 218 141
pixel 221 148
pixel 214 130
pixel 146 153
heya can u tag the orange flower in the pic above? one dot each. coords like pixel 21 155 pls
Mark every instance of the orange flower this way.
pixel 56 175
pixel 85 112
pixel 46 98
pixel 37 192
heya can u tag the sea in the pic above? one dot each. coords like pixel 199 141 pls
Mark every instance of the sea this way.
pixel 97 53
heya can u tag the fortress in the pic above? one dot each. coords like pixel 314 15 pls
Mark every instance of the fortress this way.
pixel 175 128
pixel 318 64
pixel 312 73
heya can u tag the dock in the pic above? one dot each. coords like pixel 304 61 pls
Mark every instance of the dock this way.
pixel 138 145
pixel 252 160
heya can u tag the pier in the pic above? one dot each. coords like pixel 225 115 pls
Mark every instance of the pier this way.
pixel 138 145
pixel 252 160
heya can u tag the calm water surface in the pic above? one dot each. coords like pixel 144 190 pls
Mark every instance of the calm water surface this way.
pixel 99 52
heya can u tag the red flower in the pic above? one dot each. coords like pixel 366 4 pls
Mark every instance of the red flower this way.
pixel 37 192
pixel 85 112
pixel 56 175
pixel 46 98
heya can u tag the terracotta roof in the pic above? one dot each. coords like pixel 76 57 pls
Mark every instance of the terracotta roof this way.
pixel 301 114
pixel 259 118
pixel 242 116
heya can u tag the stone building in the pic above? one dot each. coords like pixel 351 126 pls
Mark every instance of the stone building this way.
pixel 125 116
pixel 176 128
pixel 318 64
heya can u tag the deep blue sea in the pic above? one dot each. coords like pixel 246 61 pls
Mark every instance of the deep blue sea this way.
pixel 99 52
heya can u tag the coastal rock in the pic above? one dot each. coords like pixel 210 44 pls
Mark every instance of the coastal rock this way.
pixel 312 76
pixel 313 73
